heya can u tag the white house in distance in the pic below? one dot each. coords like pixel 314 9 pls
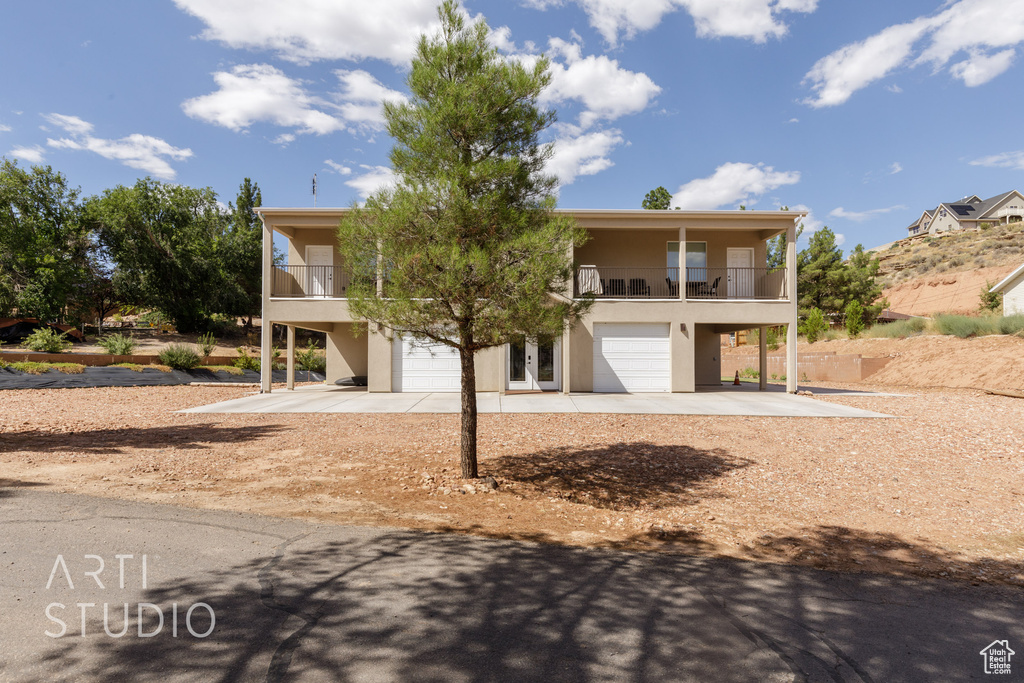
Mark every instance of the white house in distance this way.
pixel 1012 289
pixel 969 213
pixel 666 284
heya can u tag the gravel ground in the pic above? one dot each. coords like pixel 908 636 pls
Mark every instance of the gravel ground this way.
pixel 939 492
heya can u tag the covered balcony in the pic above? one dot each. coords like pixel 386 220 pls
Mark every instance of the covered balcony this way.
pixel 618 282
pixel 309 282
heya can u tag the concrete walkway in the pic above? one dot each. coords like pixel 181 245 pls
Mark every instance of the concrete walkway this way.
pixel 743 400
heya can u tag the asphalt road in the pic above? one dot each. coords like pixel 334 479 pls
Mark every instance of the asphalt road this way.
pixel 302 602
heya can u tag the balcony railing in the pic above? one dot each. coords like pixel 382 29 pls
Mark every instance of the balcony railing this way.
pixel 309 282
pixel 663 283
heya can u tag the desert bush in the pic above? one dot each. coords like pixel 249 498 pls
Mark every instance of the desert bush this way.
pixel 750 373
pixel 180 357
pixel 47 340
pixel 898 329
pixel 1012 324
pixel 311 359
pixel 965 326
pixel 207 343
pixel 245 361
pixel 814 325
pixel 990 301
pixel 772 338
pixel 118 344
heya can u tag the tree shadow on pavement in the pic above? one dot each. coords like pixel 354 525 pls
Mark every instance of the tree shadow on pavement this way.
pixel 406 606
pixel 620 476
pixel 9 487
pixel 117 440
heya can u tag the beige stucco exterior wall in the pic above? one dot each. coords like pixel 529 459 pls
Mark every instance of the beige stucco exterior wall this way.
pixel 720 241
pixel 648 248
pixel 944 223
pixel 707 352
pixel 310 236
pixel 346 353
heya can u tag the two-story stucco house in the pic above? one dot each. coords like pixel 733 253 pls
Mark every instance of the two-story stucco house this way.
pixel 667 284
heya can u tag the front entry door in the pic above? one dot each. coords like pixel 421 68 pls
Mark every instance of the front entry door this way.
pixel 533 367
pixel 319 270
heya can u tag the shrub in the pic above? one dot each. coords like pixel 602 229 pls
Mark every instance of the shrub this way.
pixel 990 301
pixel 814 325
pixel 47 340
pixel 207 343
pixel 245 361
pixel 898 329
pixel 963 326
pixel 311 359
pixel 1012 324
pixel 118 344
pixel 154 318
pixel 772 338
pixel 750 373
pixel 180 357
pixel 854 319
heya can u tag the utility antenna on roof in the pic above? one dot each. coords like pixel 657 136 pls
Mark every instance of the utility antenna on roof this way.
pixel 314 190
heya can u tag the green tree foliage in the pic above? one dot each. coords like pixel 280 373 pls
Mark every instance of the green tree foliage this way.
pixel 241 250
pixel 45 250
pixel 466 242
pixel 821 274
pixel 658 198
pixel 776 246
pixel 164 239
pixel 854 314
pixel 862 285
pixel 814 325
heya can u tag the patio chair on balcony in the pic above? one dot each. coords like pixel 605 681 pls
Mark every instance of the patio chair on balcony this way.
pixel 713 289
pixel 638 287
pixel 616 287
pixel 673 287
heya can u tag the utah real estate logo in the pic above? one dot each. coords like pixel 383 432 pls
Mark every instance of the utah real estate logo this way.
pixel 997 656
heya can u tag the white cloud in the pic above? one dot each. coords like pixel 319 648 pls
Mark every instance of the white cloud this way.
pixel 895 168
pixel 987 30
pixel 143 152
pixel 284 139
pixel 5 128
pixel 583 155
pixel 33 155
pixel 810 221
pixel 794 120
pixel 606 90
pixel 894 88
pixel 304 31
pixel 981 68
pixel 260 92
pixel 362 97
pixel 338 168
pixel 375 178
pixel 861 216
pixel 840 239
pixel 732 184
pixel 71 124
pixel 757 20
pixel 1014 160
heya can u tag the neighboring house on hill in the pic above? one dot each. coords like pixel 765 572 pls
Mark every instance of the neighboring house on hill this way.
pixel 667 285
pixel 1012 289
pixel 968 213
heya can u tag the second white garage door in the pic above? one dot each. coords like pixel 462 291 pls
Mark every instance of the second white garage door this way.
pixel 424 368
pixel 634 357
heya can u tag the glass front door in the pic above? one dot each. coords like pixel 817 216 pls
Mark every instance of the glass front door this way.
pixel 533 366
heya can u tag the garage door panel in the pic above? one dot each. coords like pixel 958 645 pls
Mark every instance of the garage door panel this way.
pixel 424 368
pixel 632 357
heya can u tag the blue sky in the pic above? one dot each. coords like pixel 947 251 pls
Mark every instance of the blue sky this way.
pixel 864 113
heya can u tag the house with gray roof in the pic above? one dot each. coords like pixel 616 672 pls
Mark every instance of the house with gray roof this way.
pixel 969 213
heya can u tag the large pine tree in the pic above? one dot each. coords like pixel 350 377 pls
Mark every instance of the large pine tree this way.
pixel 466 245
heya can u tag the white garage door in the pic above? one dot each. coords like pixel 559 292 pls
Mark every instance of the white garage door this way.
pixel 424 368
pixel 632 357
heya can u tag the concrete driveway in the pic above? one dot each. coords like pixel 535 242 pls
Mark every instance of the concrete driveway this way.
pixel 742 400
pixel 311 603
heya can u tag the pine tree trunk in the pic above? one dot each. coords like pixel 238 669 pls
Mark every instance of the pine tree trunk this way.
pixel 467 446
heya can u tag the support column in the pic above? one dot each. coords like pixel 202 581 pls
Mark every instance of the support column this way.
pixel 266 341
pixel 762 358
pixel 682 264
pixel 291 358
pixel 792 327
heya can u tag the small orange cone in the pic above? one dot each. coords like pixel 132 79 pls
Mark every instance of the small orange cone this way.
pixel 736 382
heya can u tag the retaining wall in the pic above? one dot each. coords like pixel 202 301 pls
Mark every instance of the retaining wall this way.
pixel 813 367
